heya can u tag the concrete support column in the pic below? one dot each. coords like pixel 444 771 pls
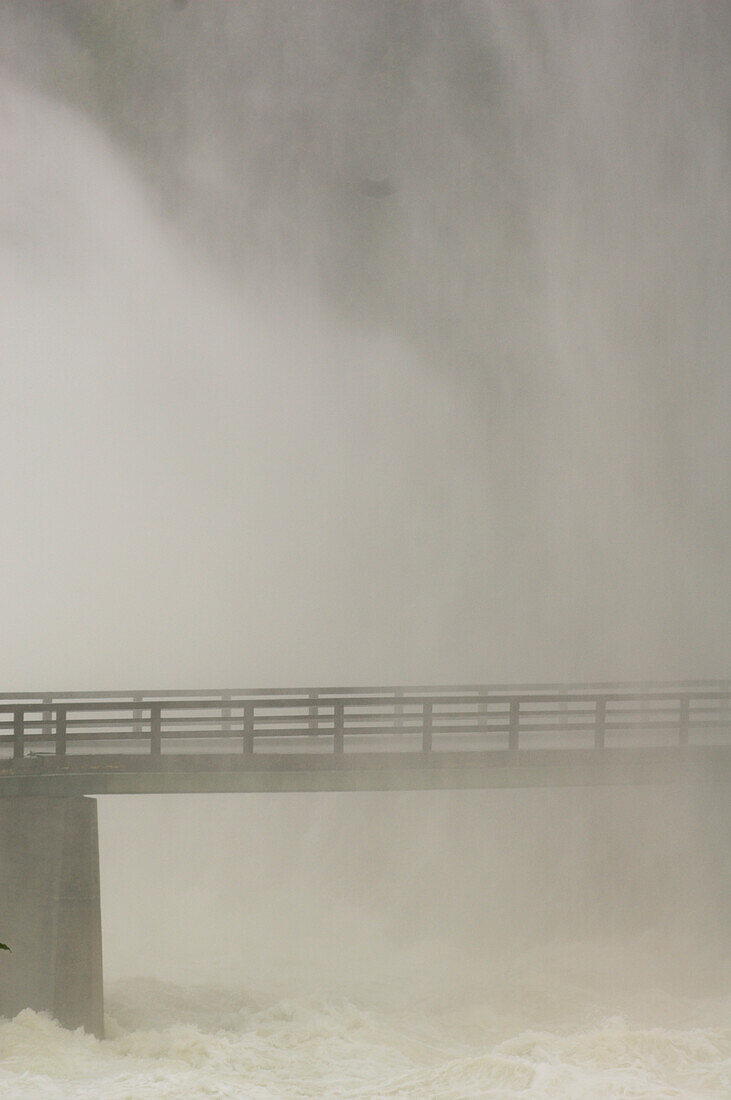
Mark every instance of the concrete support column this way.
pixel 50 912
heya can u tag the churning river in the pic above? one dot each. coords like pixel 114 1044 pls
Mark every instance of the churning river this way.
pixel 542 1030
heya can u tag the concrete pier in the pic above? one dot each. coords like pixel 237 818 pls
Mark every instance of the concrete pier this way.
pixel 50 911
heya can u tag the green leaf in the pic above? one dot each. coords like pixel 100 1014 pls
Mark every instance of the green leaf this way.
pixel 4 947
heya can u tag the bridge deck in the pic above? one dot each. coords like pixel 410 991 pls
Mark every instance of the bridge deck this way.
pixel 364 738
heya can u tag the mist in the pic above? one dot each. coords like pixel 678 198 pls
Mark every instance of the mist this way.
pixel 376 343
pixel 422 898
pixel 499 453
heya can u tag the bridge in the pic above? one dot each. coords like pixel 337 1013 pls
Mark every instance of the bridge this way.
pixel 58 748
pixel 373 738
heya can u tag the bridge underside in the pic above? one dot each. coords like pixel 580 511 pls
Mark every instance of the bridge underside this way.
pixel 313 771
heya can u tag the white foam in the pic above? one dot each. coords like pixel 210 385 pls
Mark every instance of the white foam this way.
pixel 531 1033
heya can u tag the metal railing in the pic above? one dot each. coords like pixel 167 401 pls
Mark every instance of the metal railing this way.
pixel 394 719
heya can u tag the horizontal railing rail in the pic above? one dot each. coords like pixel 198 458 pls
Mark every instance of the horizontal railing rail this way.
pixel 642 686
pixel 397 719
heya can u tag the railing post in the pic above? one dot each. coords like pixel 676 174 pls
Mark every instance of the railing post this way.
pixel 482 707
pixel 600 722
pixel 137 716
pixel 338 727
pixel 60 731
pixel 312 712
pixel 398 710
pixel 248 727
pixel 47 716
pixel 514 725
pixel 18 734
pixel 155 729
pixel 684 720
pixel 426 733
pixel 226 712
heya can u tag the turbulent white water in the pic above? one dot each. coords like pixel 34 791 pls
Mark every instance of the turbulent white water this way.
pixel 546 1027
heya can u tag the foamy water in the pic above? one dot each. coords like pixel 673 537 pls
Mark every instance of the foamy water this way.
pixel 541 1030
